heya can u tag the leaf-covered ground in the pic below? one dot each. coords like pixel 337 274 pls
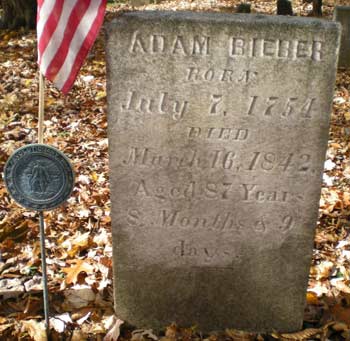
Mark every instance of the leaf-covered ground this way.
pixel 79 234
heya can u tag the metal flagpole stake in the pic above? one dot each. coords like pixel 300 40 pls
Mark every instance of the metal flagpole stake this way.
pixel 46 181
pixel 41 214
pixel 44 272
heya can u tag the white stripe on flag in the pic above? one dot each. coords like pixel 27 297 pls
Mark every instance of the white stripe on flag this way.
pixel 44 14
pixel 56 39
pixel 76 43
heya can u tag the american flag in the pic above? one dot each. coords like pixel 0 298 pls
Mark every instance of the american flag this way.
pixel 66 30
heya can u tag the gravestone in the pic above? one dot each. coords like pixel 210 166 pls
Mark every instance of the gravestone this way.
pixel 342 14
pixel 218 128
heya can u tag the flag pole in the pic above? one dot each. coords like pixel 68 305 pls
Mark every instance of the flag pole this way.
pixel 44 273
pixel 41 213
pixel 41 108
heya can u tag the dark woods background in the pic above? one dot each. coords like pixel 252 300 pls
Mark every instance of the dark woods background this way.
pixel 22 13
pixel 18 13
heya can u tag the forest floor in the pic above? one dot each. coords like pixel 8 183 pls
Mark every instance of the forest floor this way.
pixel 78 234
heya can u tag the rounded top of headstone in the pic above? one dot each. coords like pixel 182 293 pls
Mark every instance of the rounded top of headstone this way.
pixel 219 18
pixel 39 177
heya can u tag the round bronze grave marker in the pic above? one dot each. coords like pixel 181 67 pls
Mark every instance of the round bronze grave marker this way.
pixel 39 177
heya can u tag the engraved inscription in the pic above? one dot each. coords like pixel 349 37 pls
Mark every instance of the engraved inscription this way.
pixel 182 45
pixel 281 107
pixel 216 134
pixel 261 161
pixel 270 161
pixel 253 192
pixel 151 158
pixel 210 256
pixel 162 104
pixel 211 190
pixel 224 222
pixel 134 218
pixel 276 48
pixel 198 75
pixel 187 249
pixel 215 105
pixel 217 130
pixel 200 45
pixel 220 159
pixel 269 107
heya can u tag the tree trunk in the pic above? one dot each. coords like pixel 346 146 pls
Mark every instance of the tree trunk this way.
pixel 317 8
pixel 17 13
pixel 243 8
pixel 284 7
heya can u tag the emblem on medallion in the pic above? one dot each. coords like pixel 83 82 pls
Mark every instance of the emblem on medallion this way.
pixel 39 177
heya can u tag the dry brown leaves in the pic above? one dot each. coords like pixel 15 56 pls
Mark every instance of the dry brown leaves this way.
pixel 78 234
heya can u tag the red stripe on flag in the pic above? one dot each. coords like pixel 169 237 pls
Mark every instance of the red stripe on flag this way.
pixel 50 27
pixel 87 44
pixel 75 17
pixel 40 3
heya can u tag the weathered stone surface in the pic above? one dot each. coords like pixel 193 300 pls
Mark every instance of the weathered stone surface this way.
pixel 342 14
pixel 218 127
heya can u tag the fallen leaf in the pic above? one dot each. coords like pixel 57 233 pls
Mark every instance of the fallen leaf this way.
pixel 78 296
pixel 340 326
pixel 237 335
pixel 78 335
pixel 311 298
pixel 144 334
pixel 35 329
pixel 340 285
pixel 114 333
pixel 322 270
pixel 100 95
pixel 84 318
pixel 329 165
pixel 346 198
pixel 340 313
pixel 59 322
pixel 319 289
pixel 302 335
pixel 4 327
pixel 73 271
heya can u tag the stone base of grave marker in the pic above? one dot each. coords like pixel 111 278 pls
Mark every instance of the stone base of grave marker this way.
pixel 342 14
pixel 218 127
